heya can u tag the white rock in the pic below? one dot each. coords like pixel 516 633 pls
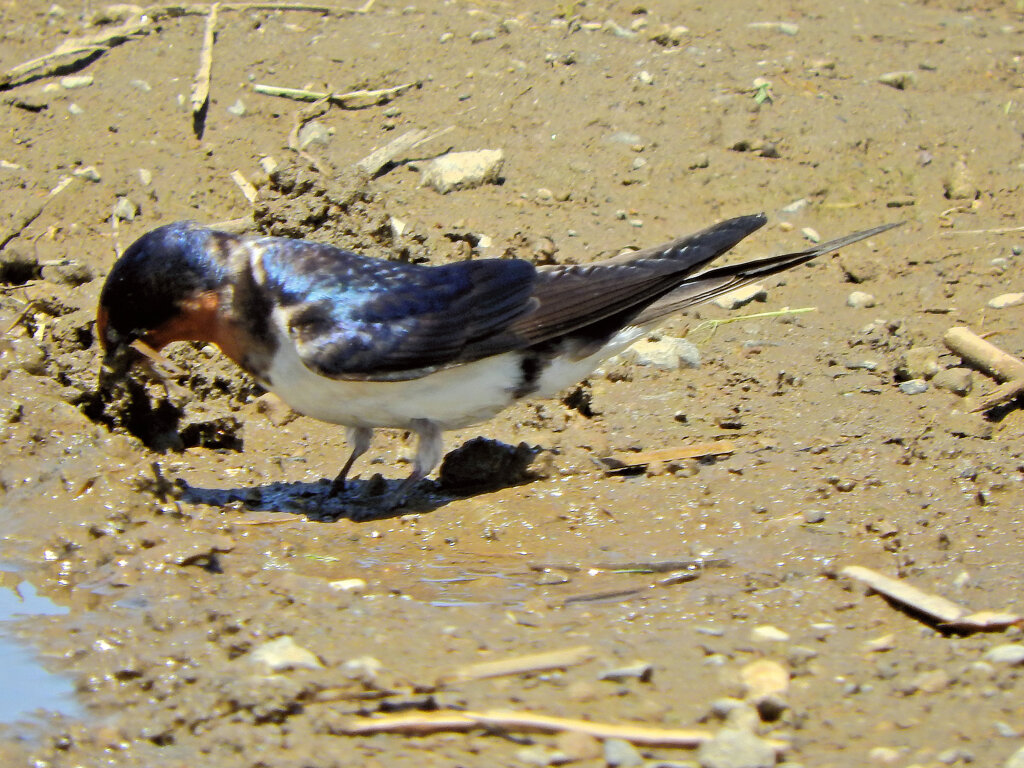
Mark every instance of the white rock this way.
pixel 463 170
pixel 667 353
pixel 742 296
pixel 1008 653
pixel 283 653
pixel 860 300
pixel 89 173
pixel 1006 300
pixel 125 209
pixel 347 585
pixel 314 132
pixel 764 677
pixel 1016 760
pixel 71 82
pixel 733 748
pixel 766 633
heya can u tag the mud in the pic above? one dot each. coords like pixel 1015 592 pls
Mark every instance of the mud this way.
pixel 185 525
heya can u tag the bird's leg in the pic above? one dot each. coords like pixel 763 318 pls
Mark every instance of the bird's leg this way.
pixel 359 438
pixel 429 450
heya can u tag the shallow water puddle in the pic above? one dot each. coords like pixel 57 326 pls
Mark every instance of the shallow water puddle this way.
pixel 28 686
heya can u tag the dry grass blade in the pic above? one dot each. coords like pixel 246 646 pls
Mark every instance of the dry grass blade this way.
pixel 933 606
pixel 201 83
pixel 628 460
pixel 519 665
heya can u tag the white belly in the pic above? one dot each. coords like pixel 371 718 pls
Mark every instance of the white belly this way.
pixel 451 398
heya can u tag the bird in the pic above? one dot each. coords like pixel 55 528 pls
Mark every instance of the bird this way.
pixel 371 343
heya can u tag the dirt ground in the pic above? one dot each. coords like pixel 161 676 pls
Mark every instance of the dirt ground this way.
pixel 185 532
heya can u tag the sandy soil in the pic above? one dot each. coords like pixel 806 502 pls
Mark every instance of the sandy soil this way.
pixel 184 533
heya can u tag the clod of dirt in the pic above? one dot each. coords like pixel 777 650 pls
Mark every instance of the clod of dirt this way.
pixel 483 463
pixel 17 266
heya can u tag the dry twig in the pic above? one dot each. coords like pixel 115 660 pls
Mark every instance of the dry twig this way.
pixel 628 460
pixel 395 150
pixel 518 665
pixel 350 100
pixel 201 83
pixel 989 358
pixel 509 720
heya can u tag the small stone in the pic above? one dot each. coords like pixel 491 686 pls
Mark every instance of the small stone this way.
pixel 30 356
pixel 701 160
pixel 1016 760
pixel 1008 653
pixel 959 185
pixel 463 170
pixel 959 381
pixel 89 173
pixel 641 671
pixel 482 35
pixel 276 410
pixel 914 387
pixel 898 80
pixel 811 234
pixel 797 206
pixel 74 109
pixel 732 748
pixel 125 209
pixel 645 77
pixel 764 677
pixel 578 746
pixel 667 353
pixel 918 363
pixel 348 585
pixel 619 753
pixel 238 108
pixel 742 296
pixel 140 85
pixel 283 654
pixel 314 132
pixel 860 300
pixel 884 756
pixel 1006 300
pixel 814 516
pixel 145 177
pixel 766 633
pixel 932 681
pixel 364 668
pixel 72 82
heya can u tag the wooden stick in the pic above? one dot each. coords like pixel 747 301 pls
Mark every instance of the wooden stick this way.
pixel 935 607
pixel 351 100
pixel 74 49
pixel 983 354
pixel 201 84
pixel 518 665
pixel 243 184
pixel 23 218
pixel 393 150
pixel 1002 394
pixel 509 720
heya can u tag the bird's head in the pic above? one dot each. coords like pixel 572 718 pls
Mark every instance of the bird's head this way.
pixel 164 288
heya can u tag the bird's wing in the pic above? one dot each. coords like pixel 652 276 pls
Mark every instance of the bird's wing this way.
pixel 353 317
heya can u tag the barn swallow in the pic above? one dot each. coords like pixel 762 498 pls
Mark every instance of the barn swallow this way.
pixel 369 343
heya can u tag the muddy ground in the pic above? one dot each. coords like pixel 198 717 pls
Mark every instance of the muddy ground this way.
pixel 184 532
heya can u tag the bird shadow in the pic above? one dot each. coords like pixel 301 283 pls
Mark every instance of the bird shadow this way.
pixel 361 501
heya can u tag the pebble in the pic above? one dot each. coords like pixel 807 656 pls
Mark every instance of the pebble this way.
pixel 860 300
pixel 742 296
pixel 141 85
pixel 932 681
pixel 125 209
pixel 30 356
pixel 766 633
pixel 1016 760
pixel 1006 300
pixel 463 170
pixel 276 410
pixel 145 176
pixel 914 387
pixel 74 109
pixel 811 234
pixel 641 671
pixel 89 173
pixel 785 27
pixel 618 752
pixel 899 80
pixel 814 516
pixel 578 746
pixel 959 185
pixel 797 206
pixel 284 653
pixel 732 748
pixel 918 363
pixel 365 668
pixel 645 77
pixel 959 381
pixel 764 677
pixel 482 35
pixel 884 756
pixel 535 755
pixel 1008 653
pixel 348 585
pixel 314 132
pixel 238 108
pixel 71 82
pixel 667 354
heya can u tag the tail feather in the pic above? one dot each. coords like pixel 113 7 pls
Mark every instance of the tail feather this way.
pixel 715 282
